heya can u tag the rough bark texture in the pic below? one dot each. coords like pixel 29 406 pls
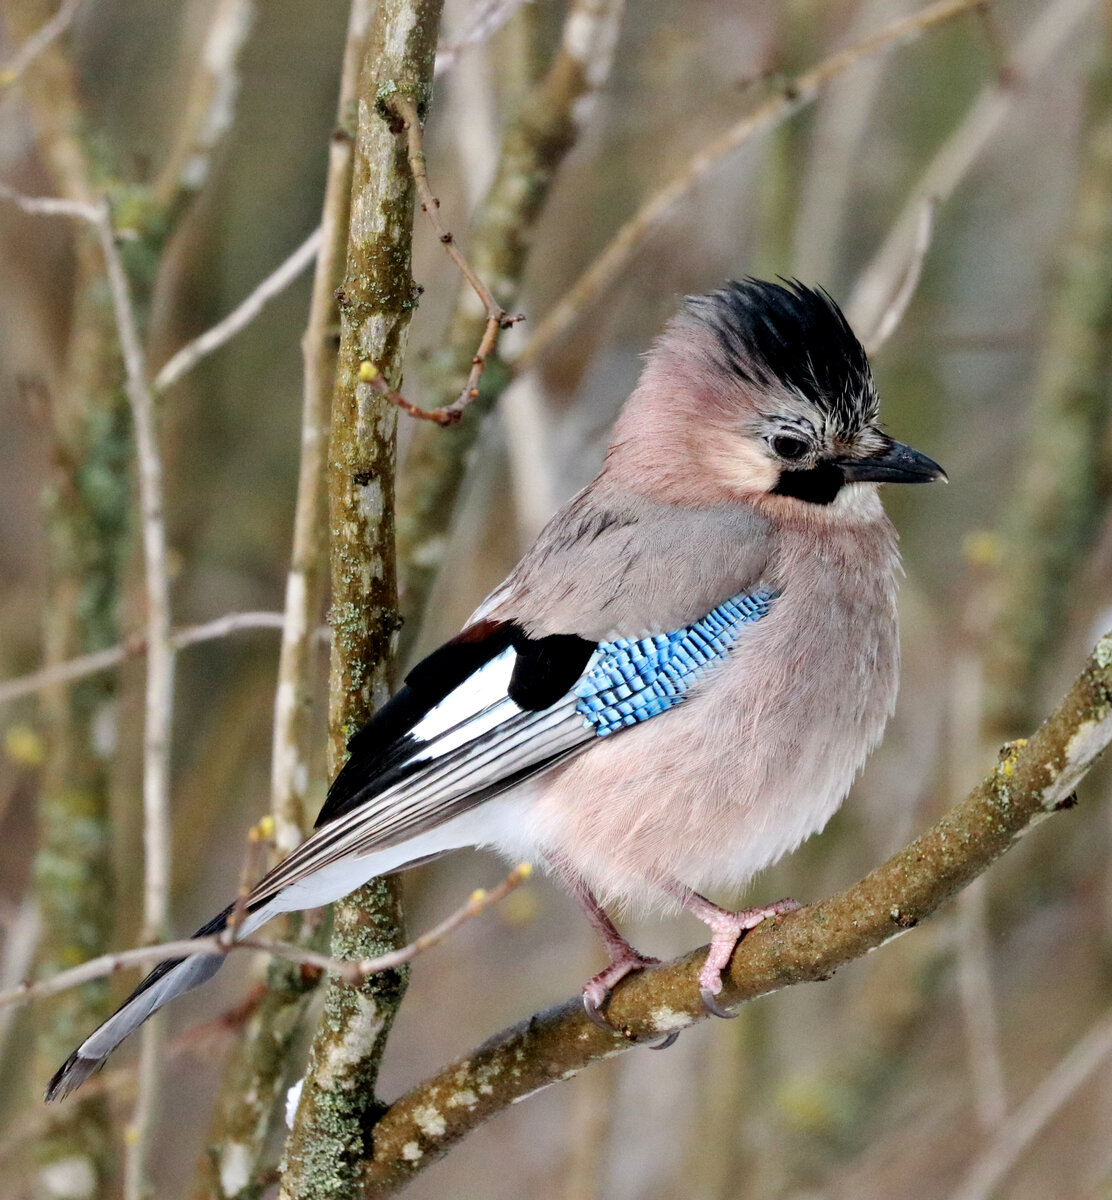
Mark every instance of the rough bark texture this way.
pixel 377 297
pixel 1033 779
pixel 251 1097
pixel 535 145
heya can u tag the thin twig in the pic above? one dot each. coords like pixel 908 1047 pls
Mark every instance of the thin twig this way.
pixel 796 93
pixel 898 305
pixel 217 946
pixel 159 703
pixel 102 660
pixel 407 110
pixel 1036 1112
pixel 48 33
pixel 241 316
pixel 484 21
pixel 50 206
pixel 497 318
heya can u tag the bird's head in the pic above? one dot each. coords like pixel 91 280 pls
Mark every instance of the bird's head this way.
pixel 761 390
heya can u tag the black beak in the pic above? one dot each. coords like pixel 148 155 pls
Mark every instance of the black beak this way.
pixel 897 464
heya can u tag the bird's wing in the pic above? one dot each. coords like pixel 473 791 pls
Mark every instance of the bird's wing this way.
pixel 493 708
pixel 486 711
pixel 610 564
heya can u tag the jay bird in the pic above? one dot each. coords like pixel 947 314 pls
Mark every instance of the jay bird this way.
pixel 675 686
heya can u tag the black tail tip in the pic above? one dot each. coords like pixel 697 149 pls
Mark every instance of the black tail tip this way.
pixel 70 1076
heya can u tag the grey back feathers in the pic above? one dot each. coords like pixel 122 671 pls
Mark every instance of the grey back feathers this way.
pixel 794 337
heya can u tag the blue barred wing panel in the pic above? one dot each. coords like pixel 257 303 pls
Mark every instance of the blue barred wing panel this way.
pixel 633 679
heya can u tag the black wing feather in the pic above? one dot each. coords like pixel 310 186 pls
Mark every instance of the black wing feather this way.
pixel 382 752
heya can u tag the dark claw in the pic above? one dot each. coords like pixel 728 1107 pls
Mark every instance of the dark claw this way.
pixel 591 1009
pixel 713 1007
pixel 670 1040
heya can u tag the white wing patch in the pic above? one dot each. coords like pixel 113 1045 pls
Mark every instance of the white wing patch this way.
pixel 472 745
pixel 478 692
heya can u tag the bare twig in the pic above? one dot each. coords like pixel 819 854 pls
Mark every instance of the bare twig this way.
pixel 484 21
pixel 159 703
pixel 218 945
pixel 102 660
pixel 797 93
pixel 241 316
pixel 1036 1112
pixel 51 206
pixel 898 305
pixel 497 318
pixel 407 110
pixel 32 47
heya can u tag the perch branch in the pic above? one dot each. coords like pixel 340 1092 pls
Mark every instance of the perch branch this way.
pixel 1034 779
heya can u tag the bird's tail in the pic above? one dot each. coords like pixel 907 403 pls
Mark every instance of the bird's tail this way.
pixel 168 980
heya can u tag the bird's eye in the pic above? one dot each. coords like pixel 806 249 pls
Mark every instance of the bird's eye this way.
pixel 789 447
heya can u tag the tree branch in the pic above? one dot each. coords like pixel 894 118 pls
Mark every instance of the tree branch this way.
pixel 378 297
pixel 1034 779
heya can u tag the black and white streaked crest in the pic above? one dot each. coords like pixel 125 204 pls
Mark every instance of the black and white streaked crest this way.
pixel 797 337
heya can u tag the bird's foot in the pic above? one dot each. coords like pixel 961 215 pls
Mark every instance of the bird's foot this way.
pixel 727 929
pixel 596 992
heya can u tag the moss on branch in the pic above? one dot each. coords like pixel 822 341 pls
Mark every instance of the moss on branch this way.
pixel 378 294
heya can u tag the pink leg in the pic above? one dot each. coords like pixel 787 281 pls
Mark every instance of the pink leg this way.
pixel 624 959
pixel 726 929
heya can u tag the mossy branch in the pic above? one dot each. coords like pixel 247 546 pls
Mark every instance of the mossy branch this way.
pixel 1034 779
pixel 376 301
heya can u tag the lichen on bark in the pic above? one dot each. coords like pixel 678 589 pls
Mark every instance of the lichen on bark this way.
pixel 377 297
